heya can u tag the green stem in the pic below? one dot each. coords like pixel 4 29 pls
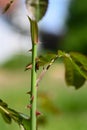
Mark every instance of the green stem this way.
pixel 33 88
pixel 34 38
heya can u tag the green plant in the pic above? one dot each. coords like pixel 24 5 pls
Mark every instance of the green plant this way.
pixel 75 66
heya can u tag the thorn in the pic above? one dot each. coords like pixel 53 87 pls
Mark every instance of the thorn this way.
pixel 29 106
pixel 30 50
pixel 37 66
pixel 29 66
pixel 31 99
pixel 38 113
pixel 37 86
pixel 29 92
pixel 37 59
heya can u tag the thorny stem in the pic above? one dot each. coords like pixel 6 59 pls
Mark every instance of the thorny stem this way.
pixel 33 88
pixel 33 101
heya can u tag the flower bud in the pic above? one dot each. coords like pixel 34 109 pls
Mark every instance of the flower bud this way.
pixel 36 8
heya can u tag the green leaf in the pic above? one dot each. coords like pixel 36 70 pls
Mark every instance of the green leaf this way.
pixel 6 118
pixel 8 114
pixel 45 59
pixel 79 67
pixel 72 74
pixel 4 112
pixel 61 53
pixel 80 58
pixel 3 103
pixel 75 68
pixel 37 8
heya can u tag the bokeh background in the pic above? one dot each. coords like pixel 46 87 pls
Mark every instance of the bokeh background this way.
pixel 63 27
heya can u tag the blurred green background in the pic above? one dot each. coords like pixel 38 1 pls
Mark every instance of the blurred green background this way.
pixel 76 38
pixel 62 107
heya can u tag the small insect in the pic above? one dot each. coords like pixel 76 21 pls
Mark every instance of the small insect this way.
pixel 36 8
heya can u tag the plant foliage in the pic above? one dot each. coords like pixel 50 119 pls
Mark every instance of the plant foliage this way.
pixel 9 114
pixel 75 66
pixel 75 69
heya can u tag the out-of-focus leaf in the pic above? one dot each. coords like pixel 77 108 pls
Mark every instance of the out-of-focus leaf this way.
pixel 42 120
pixel 80 58
pixel 9 114
pixel 3 103
pixel 34 30
pixel 46 103
pixel 25 121
pixel 79 67
pixel 6 118
pixel 72 75
pixel 36 8
pixel 8 5
pixel 5 115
